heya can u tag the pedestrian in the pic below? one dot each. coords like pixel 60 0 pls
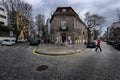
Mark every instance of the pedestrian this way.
pixel 70 43
pixel 98 45
pixel 57 42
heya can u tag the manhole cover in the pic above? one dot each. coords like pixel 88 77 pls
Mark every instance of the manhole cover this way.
pixel 42 68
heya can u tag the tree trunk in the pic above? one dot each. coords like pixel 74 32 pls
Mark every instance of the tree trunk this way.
pixel 89 34
pixel 17 35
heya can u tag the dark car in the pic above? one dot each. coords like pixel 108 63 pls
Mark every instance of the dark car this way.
pixel 110 42
pixel 34 42
pixel 116 44
pixel 91 44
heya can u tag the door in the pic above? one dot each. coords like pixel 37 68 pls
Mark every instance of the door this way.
pixel 63 37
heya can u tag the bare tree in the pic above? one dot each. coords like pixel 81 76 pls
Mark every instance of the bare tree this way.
pixel 31 26
pixel 20 12
pixel 118 13
pixel 93 21
pixel 40 20
pixel 96 34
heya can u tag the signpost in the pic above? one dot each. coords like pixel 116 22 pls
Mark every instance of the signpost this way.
pixel 11 33
pixel 41 33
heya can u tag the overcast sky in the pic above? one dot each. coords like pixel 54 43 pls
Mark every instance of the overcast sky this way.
pixel 105 8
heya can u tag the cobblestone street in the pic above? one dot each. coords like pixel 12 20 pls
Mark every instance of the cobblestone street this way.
pixel 19 63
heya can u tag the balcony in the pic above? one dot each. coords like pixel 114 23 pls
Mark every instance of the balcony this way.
pixel 63 28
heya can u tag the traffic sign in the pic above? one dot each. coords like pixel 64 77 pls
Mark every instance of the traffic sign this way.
pixel 11 33
pixel 41 33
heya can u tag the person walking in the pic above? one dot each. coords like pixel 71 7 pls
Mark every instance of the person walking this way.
pixel 98 45
pixel 70 43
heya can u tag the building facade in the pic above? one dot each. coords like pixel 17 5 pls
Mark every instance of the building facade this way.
pixel 113 32
pixel 3 16
pixel 66 24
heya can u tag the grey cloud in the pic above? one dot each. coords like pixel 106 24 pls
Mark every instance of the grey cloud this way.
pixel 104 8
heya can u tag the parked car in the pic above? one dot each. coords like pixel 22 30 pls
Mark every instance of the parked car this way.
pixel 8 42
pixel 116 44
pixel 91 44
pixel 21 40
pixel 110 42
pixel 34 42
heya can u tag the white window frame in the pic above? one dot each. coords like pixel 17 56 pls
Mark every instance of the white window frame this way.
pixel 63 10
pixel 63 24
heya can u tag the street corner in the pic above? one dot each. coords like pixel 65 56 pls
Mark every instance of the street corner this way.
pixel 34 51
pixel 39 52
pixel 56 53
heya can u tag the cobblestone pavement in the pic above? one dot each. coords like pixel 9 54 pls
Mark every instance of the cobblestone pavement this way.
pixel 19 63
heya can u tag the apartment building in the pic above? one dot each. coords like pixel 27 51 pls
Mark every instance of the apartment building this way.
pixel 66 23
pixel 3 16
pixel 113 32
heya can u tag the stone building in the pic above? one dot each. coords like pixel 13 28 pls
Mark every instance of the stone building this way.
pixel 114 31
pixel 66 23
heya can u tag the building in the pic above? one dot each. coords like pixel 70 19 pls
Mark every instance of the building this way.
pixel 48 27
pixel 116 30
pixel 66 24
pixel 4 29
pixel 108 32
pixel 3 16
pixel 104 37
pixel 113 32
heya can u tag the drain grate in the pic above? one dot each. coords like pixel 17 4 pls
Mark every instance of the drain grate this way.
pixel 42 68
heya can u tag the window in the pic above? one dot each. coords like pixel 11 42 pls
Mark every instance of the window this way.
pixel 63 10
pixel 1 9
pixel 1 23
pixel 63 24
pixel 2 16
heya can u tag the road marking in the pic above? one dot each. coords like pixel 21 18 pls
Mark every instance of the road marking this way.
pixel 35 53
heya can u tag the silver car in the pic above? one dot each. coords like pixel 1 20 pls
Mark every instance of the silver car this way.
pixel 8 42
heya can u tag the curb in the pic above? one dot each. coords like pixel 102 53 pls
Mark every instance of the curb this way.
pixel 59 54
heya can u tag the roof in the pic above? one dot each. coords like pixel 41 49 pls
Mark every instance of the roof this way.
pixel 68 9
pixel 116 24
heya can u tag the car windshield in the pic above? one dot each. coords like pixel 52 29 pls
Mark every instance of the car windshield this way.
pixel 91 42
pixel 34 40
pixel 7 40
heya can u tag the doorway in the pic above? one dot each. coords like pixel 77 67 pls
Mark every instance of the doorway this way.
pixel 63 37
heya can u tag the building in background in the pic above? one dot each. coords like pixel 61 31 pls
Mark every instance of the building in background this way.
pixel 66 24
pixel 4 29
pixel 48 27
pixel 3 16
pixel 113 32
pixel 108 32
pixel 104 37
pixel 47 30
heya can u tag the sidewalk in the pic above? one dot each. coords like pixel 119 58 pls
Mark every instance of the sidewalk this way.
pixel 51 49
